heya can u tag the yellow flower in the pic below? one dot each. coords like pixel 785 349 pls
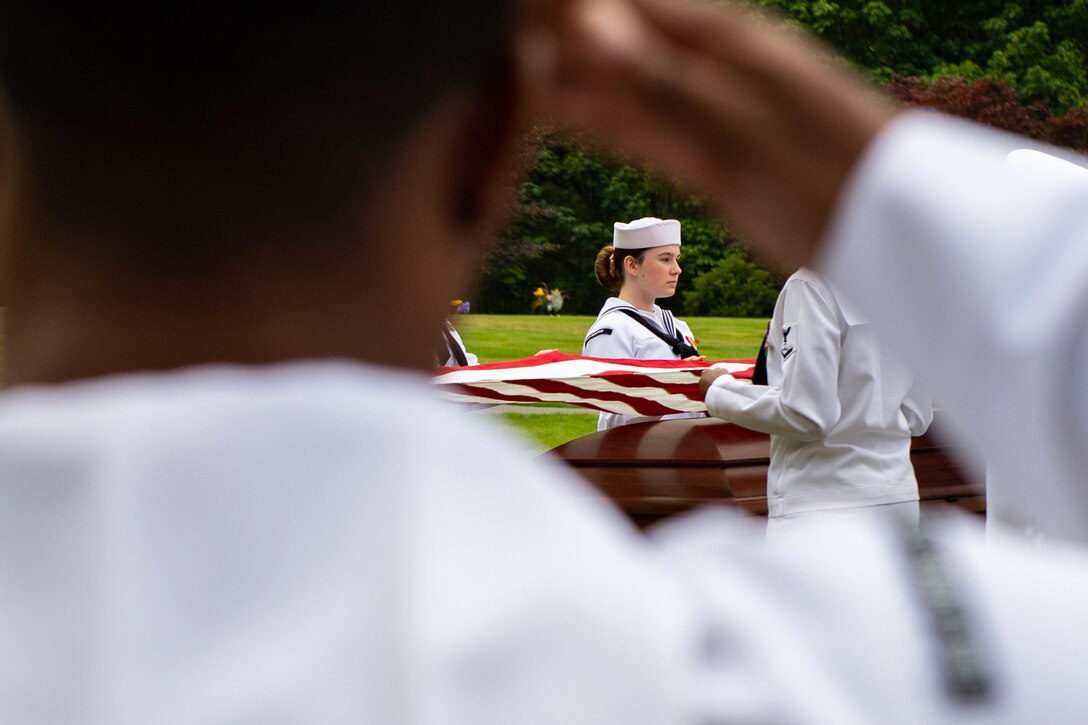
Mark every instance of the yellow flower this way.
pixel 539 292
pixel 456 303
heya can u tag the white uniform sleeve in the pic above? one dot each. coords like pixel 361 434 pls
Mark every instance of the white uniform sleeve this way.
pixel 917 408
pixel 806 405
pixel 610 344
pixel 977 274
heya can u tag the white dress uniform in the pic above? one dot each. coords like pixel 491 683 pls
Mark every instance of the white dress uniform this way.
pixel 978 273
pixel 613 334
pixel 323 542
pixel 840 413
pixel 455 352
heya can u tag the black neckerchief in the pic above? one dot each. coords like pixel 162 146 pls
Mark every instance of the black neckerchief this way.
pixel 677 344
pixel 454 350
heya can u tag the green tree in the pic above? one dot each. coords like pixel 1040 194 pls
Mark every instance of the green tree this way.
pixel 1015 65
pixel 1040 68
pixel 564 214
pixel 734 287
pixel 1038 48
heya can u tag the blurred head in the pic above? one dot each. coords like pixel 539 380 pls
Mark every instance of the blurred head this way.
pixel 285 109
pixel 182 151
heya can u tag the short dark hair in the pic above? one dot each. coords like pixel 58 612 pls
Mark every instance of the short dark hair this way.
pixel 158 66
pixel 321 87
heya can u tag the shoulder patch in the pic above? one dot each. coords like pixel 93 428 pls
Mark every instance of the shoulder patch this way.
pixel 598 333
pixel 788 346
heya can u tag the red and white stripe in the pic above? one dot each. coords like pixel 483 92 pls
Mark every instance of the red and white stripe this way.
pixel 628 387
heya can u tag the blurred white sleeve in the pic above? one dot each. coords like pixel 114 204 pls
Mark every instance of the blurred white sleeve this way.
pixel 977 274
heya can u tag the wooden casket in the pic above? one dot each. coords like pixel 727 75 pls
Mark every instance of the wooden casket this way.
pixel 657 469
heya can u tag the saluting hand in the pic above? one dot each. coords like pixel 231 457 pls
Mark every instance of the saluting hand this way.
pixel 753 116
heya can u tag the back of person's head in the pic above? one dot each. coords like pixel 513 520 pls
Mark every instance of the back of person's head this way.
pixel 609 265
pixel 238 181
pixel 261 108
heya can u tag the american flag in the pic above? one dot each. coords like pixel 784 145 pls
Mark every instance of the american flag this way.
pixel 628 387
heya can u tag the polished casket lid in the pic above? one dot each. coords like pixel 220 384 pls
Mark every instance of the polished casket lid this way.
pixel 660 468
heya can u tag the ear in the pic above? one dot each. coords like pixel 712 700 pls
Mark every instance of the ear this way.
pixel 440 203
pixel 631 264
pixel 6 182
pixel 486 150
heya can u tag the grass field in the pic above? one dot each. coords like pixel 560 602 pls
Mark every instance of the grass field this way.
pixel 543 432
pixel 508 337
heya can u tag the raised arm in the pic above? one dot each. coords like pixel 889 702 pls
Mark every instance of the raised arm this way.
pixel 975 272
pixel 758 118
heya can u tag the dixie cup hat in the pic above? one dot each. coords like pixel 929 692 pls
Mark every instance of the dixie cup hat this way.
pixel 645 233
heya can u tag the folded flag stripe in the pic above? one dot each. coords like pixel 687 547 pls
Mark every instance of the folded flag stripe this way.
pixel 573 396
pixel 629 387
pixel 558 392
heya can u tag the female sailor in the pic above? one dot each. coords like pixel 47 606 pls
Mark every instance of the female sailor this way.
pixel 640 266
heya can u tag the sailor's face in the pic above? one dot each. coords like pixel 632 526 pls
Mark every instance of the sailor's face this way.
pixel 659 271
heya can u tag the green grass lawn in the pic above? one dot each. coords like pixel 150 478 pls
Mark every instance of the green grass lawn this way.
pixel 509 337
pixel 544 432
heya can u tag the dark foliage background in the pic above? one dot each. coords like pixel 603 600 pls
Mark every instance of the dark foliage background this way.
pixel 1019 66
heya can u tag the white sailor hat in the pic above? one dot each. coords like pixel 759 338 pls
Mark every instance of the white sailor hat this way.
pixel 645 233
